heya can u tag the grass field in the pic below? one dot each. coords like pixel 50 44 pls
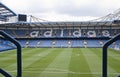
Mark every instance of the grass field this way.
pixel 61 62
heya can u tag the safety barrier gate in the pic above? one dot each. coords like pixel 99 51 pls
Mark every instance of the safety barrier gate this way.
pixel 19 58
pixel 104 59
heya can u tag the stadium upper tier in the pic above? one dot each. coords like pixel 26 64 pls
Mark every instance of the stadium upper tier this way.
pixel 61 29
pixel 60 34
pixel 90 32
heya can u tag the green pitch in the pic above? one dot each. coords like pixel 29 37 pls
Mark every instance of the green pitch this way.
pixel 61 62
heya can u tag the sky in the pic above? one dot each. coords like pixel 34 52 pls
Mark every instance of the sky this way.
pixel 63 10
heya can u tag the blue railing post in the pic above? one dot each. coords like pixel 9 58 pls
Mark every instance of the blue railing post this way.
pixel 19 58
pixel 104 57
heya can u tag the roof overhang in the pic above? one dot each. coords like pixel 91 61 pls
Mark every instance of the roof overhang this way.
pixel 5 12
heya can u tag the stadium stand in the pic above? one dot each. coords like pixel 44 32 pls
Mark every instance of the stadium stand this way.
pixel 62 37
pixel 60 34
pixel 6 45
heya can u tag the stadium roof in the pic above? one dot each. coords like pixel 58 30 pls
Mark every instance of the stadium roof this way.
pixel 5 12
pixel 58 24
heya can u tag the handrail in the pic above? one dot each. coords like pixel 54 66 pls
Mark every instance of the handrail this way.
pixel 4 73
pixel 19 58
pixel 104 58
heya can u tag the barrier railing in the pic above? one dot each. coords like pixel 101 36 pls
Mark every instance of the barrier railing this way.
pixel 105 54
pixel 19 58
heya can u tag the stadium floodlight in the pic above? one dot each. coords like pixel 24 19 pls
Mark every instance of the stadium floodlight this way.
pixel 104 59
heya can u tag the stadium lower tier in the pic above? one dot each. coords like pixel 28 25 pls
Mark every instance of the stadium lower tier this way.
pixel 59 43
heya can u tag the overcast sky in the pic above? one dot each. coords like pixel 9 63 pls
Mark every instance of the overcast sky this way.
pixel 63 10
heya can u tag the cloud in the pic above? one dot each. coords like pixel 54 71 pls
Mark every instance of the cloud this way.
pixel 27 6
pixel 57 9
pixel 86 7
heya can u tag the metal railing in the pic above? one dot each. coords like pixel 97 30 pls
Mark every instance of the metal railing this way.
pixel 105 54
pixel 19 58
